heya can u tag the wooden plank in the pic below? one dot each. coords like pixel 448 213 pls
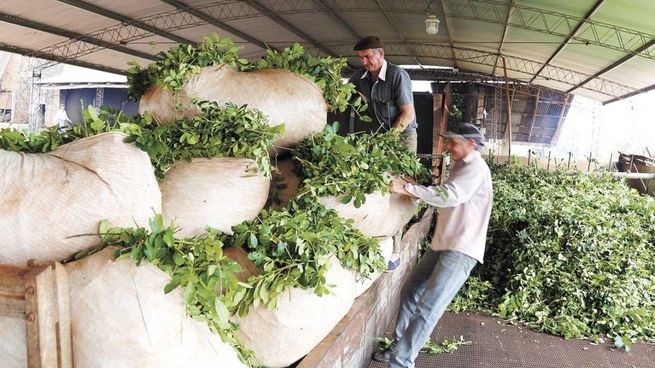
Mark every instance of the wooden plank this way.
pixel 41 310
pixel 12 291
pixel 352 342
pixel 63 325
pixel 14 308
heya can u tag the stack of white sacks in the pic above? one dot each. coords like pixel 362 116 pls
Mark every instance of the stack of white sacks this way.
pixel 119 312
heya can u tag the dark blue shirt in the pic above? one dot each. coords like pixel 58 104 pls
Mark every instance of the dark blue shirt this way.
pixel 384 96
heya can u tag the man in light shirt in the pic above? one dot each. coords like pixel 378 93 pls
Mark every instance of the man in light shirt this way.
pixel 464 203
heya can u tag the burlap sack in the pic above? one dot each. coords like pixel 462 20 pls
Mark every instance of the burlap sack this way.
pixel 47 199
pixel 302 319
pixel 382 215
pixel 217 192
pixel 285 97
pixel 121 318
pixel 386 246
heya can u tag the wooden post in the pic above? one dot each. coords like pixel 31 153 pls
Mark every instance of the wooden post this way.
pixel 441 108
pixel 39 294
pixel 509 115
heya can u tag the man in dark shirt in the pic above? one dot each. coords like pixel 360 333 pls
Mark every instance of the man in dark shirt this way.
pixel 387 89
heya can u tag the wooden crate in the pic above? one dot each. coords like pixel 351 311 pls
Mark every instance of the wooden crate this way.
pixel 39 295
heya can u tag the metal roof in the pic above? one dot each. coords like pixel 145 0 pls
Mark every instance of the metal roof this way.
pixel 599 49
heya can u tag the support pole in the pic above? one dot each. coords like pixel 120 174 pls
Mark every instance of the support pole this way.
pixel 509 114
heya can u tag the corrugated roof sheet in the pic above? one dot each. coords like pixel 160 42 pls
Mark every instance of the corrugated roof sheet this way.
pixel 533 30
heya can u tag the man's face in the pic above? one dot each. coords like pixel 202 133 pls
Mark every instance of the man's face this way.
pixel 371 59
pixel 459 147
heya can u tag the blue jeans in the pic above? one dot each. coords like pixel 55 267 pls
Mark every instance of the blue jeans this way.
pixel 434 282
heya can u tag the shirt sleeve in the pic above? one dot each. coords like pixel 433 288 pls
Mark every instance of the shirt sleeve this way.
pixel 403 89
pixel 453 193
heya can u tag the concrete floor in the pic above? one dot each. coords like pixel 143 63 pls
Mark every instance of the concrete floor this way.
pixel 497 344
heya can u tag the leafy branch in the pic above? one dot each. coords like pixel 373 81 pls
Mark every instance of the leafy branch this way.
pixel 354 165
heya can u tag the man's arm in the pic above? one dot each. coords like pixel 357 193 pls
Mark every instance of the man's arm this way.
pixel 405 117
pixel 456 191
pixel 404 99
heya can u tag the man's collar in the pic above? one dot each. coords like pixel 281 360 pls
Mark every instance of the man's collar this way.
pixel 383 71
pixel 471 156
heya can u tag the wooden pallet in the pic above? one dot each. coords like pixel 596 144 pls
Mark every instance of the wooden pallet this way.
pixel 39 295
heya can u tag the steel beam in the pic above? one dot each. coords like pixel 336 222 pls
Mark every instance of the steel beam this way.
pixel 215 22
pixel 57 58
pixel 634 93
pixel 277 19
pixel 7 18
pixel 449 29
pixel 502 39
pixel 397 30
pixel 330 11
pixel 534 115
pixel 517 64
pixel 612 66
pixel 124 19
pixel 575 30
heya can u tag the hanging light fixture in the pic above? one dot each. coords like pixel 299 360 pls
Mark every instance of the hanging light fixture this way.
pixel 432 24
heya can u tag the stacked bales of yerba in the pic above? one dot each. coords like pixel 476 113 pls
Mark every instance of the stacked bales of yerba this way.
pixel 201 192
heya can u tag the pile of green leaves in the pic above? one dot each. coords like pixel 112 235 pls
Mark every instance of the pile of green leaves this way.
pixel 196 265
pixel 354 165
pixel 430 347
pixel 176 65
pixel 569 254
pixel 179 63
pixel 218 131
pixel 292 247
pixel 49 139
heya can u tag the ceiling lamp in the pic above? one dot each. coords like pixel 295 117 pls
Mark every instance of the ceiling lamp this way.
pixel 432 24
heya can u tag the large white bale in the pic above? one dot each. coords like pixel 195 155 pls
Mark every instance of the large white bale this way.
pixel 217 192
pixel 386 247
pixel 121 318
pixel 284 96
pixel 382 215
pixel 47 199
pixel 302 319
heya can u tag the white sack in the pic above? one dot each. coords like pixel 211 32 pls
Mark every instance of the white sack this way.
pixel 47 198
pixel 382 215
pixel 386 247
pixel 217 192
pixel 284 96
pixel 121 318
pixel 302 319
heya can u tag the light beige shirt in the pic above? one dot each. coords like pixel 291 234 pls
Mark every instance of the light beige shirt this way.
pixel 465 210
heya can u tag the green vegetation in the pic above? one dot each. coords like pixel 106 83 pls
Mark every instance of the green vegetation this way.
pixel 352 166
pixel 180 62
pixel 569 254
pixel 218 131
pixel 292 247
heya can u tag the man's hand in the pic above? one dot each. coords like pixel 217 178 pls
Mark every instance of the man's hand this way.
pixel 395 130
pixel 397 186
pixel 409 179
